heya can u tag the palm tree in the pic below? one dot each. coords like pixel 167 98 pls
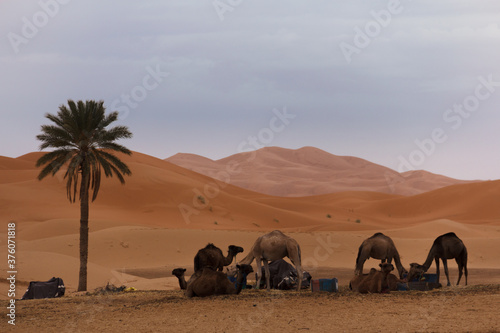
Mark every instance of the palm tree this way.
pixel 82 143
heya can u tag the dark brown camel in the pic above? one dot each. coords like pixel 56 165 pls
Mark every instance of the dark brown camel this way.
pixel 179 273
pixel 211 256
pixel 378 246
pixel 376 280
pixel 208 282
pixel 273 246
pixel 447 246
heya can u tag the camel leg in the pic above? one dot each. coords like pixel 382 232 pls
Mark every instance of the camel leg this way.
pixel 460 270
pixel 189 291
pixel 445 265
pixel 268 275
pixel 300 272
pixel 259 272
pixel 437 268
pixel 359 267
pixel 466 273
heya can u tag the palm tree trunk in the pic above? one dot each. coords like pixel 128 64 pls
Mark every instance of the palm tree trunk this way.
pixel 84 231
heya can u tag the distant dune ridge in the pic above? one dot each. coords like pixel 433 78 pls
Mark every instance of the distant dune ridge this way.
pixel 165 213
pixel 164 194
pixel 310 171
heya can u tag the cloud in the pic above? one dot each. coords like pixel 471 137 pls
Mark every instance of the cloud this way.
pixel 225 77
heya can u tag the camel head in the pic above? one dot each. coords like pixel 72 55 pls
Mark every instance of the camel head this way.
pixel 179 272
pixel 386 268
pixel 403 274
pixel 244 269
pixel 235 249
pixel 416 270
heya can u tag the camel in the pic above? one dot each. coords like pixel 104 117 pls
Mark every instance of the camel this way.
pixel 273 246
pixel 208 282
pixel 375 281
pixel 378 246
pixel 211 256
pixel 391 285
pixel 392 282
pixel 447 246
pixel 179 273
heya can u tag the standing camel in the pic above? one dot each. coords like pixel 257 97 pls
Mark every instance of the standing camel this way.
pixel 273 246
pixel 378 246
pixel 211 256
pixel 208 282
pixel 447 246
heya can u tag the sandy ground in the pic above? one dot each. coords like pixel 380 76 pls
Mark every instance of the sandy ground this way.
pixel 453 309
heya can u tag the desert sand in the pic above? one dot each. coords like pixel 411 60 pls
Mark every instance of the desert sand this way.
pixel 164 213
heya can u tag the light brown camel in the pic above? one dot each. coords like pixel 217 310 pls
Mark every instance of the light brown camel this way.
pixel 211 256
pixel 392 282
pixel 208 282
pixel 376 280
pixel 447 246
pixel 378 246
pixel 273 246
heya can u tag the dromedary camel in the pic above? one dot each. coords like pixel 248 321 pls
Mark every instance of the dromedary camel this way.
pixel 211 256
pixel 447 246
pixel 378 246
pixel 273 246
pixel 392 282
pixel 376 281
pixel 208 282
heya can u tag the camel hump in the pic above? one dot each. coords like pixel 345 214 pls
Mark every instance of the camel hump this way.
pixel 450 234
pixel 378 234
pixel 211 246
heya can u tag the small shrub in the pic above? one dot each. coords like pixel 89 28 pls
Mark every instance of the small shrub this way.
pixel 328 216
pixel 201 199
pixel 358 221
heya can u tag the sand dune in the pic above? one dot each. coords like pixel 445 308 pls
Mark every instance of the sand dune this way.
pixel 165 213
pixel 310 171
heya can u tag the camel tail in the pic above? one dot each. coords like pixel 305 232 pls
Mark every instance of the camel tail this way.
pixel 464 256
pixel 359 255
pixel 248 259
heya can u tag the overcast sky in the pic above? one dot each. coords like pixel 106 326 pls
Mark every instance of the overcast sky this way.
pixel 405 84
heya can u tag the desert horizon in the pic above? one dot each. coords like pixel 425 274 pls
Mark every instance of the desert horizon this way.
pixel 164 213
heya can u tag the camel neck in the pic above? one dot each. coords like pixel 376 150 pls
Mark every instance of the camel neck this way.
pixel 430 257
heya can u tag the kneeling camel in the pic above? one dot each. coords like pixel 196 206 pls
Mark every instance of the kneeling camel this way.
pixel 208 282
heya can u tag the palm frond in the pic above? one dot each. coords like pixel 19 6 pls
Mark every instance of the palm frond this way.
pixel 82 141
